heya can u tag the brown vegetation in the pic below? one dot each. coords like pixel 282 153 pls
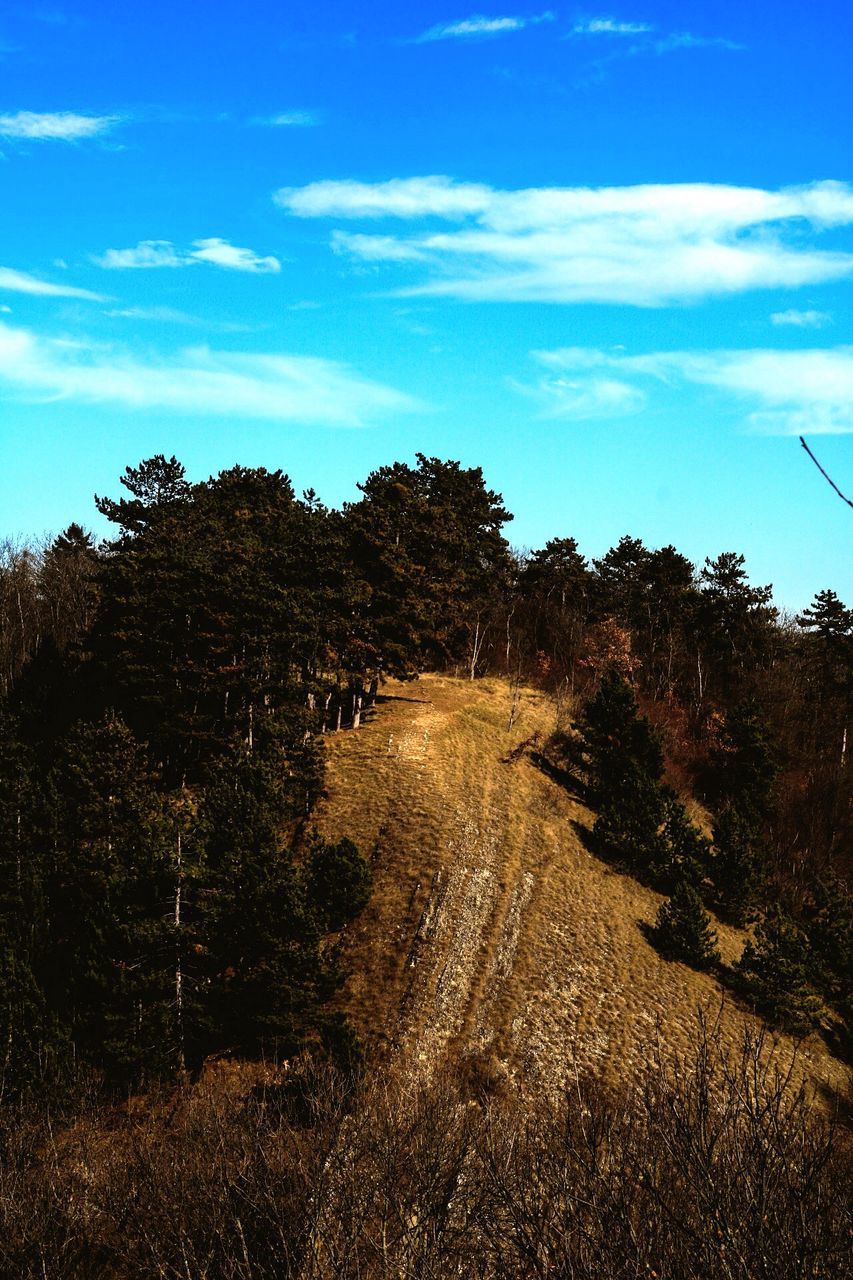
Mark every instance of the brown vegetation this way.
pixel 492 929
pixel 713 1168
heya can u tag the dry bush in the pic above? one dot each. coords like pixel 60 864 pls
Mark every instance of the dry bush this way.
pixel 712 1170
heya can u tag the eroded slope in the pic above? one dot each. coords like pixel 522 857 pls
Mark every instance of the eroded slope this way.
pixel 492 929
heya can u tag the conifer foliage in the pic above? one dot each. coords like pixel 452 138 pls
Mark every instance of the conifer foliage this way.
pixel 683 929
pixel 775 974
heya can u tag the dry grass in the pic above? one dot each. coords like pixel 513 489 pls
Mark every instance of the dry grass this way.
pixel 492 930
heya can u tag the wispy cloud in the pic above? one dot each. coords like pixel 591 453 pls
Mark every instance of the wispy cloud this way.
pixel 196 381
pixel 220 253
pixel 291 120
pixel 479 27
pixel 54 126
pixel 22 282
pixel 801 319
pixel 173 315
pixel 686 40
pixel 782 392
pixel 610 27
pixel 633 39
pixel 644 245
pixel 149 254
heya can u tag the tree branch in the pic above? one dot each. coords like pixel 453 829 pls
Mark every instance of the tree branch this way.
pixel 849 501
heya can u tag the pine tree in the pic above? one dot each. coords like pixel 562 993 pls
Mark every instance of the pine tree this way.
pixel 775 973
pixel 744 768
pixel 261 980
pixel 683 929
pixel 687 850
pixel 736 866
pixel 629 826
pixel 338 882
pixel 107 969
pixel 617 740
pixel 830 929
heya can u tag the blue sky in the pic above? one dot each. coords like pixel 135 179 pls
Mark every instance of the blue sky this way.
pixel 604 252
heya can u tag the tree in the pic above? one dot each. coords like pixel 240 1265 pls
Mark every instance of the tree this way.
pixel 734 626
pixel 743 766
pixel 553 590
pixel 617 740
pixel 629 826
pixel 338 882
pixel 829 922
pixel 621 581
pixel 774 972
pixel 106 966
pixel 427 542
pixel 687 850
pixel 157 484
pixel 829 670
pixel 736 866
pixel 261 982
pixel 683 929
pixel 68 585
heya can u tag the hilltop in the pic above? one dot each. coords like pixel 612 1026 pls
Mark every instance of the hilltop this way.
pixel 492 930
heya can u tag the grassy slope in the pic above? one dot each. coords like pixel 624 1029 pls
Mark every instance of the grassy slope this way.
pixel 491 927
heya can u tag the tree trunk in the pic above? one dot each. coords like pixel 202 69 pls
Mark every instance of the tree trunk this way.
pixel 179 974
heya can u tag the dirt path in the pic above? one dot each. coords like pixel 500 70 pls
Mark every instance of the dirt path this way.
pixel 491 928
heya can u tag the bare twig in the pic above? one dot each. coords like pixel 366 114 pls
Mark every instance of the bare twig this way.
pixel 849 501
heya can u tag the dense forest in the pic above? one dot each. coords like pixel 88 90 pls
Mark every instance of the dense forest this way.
pixel 165 900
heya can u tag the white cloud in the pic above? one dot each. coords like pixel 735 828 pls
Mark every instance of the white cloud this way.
pixel 610 27
pixel 398 198
pixel 21 282
pixel 162 253
pixel 783 392
pixel 376 248
pixel 584 399
pixel 479 26
pixel 222 254
pixel 54 126
pixel 197 381
pixel 801 319
pixel 147 254
pixel 647 245
pixel 292 120
pixel 686 40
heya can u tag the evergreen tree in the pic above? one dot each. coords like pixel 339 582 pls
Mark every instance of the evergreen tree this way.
pixel 629 826
pixel 261 979
pixel 734 626
pixel 775 973
pixel 744 768
pixel 108 886
pixel 829 673
pixel 427 543
pixel 829 923
pixel 683 929
pixel 617 740
pixel 553 592
pixel 338 882
pixel 736 866
pixel 687 850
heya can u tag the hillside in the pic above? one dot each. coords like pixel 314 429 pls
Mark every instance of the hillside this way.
pixel 492 930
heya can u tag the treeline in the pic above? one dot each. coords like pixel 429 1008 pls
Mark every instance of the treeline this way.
pixel 715 1168
pixel 796 972
pixel 164 694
